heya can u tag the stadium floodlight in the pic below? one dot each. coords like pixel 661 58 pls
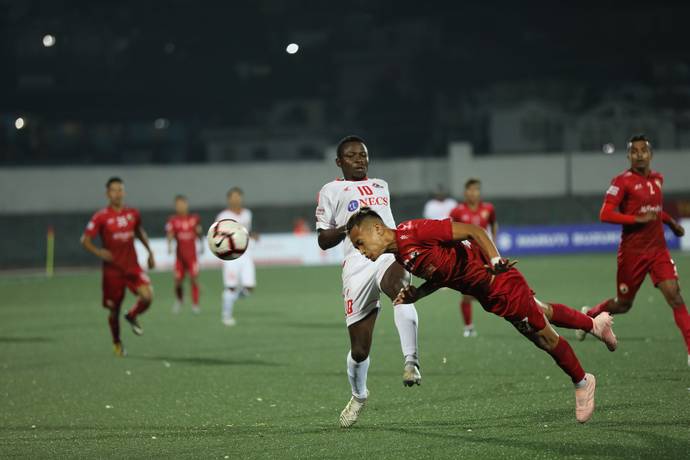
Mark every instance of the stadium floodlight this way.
pixel 19 123
pixel 48 40
pixel 161 123
pixel 292 48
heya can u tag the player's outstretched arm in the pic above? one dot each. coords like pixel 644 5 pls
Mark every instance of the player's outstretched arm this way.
pixel 675 227
pixel 141 234
pixel 411 294
pixel 331 237
pixel 101 253
pixel 481 238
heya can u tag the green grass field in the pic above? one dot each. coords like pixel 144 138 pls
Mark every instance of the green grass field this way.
pixel 273 386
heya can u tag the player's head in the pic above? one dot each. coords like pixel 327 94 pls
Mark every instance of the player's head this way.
pixel 352 157
pixel 367 232
pixel 473 190
pixel 181 204
pixel 115 191
pixel 640 152
pixel 234 198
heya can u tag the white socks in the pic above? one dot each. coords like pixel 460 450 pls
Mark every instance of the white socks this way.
pixel 229 298
pixel 357 375
pixel 406 319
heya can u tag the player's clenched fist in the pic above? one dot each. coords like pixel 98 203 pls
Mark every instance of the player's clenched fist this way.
pixel 407 294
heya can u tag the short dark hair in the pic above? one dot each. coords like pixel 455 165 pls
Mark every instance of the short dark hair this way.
pixel 113 180
pixel 637 138
pixel 363 215
pixel 234 190
pixel 472 181
pixel 180 197
pixel 345 140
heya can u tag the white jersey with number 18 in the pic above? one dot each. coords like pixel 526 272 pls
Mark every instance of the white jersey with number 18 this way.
pixel 340 199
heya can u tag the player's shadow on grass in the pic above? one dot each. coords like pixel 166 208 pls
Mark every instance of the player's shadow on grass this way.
pixel 209 361
pixel 26 340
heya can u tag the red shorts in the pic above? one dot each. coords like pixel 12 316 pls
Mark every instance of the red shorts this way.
pixel 511 298
pixel 633 267
pixel 185 265
pixel 115 282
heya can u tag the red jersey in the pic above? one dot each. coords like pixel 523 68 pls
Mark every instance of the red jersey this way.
pixel 632 193
pixel 183 229
pixel 116 230
pixel 484 216
pixel 426 249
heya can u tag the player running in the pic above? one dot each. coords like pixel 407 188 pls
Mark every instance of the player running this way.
pixel 482 214
pixel 117 226
pixel 239 275
pixel 635 200
pixel 440 251
pixel 364 281
pixel 184 228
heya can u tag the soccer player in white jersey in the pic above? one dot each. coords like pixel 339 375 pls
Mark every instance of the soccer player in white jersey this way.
pixel 440 205
pixel 363 281
pixel 239 275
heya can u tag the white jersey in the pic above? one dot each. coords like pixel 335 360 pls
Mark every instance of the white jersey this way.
pixel 340 199
pixel 243 217
pixel 439 209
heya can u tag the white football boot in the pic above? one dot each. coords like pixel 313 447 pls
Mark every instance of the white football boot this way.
pixel 350 414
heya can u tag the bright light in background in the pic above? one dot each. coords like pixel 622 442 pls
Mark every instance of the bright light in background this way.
pixel 608 149
pixel 19 123
pixel 48 40
pixel 161 123
pixel 292 48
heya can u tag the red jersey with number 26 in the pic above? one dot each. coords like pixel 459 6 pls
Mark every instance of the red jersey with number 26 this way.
pixel 426 249
pixel 116 230
pixel 633 194
pixel 183 229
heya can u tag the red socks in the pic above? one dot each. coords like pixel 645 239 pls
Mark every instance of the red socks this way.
pixel 140 307
pixel 680 315
pixel 593 312
pixel 195 294
pixel 466 310
pixel 565 357
pixel 114 324
pixel 565 316
pixel 178 292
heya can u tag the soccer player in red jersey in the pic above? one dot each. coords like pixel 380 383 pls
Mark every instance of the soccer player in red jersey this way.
pixel 463 257
pixel 117 226
pixel 184 228
pixel 482 214
pixel 635 200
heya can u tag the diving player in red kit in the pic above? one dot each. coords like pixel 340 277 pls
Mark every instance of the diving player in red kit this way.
pixel 117 226
pixel 635 200
pixel 463 257
pixel 184 228
pixel 482 214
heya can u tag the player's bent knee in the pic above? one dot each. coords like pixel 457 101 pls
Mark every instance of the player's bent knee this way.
pixel 359 354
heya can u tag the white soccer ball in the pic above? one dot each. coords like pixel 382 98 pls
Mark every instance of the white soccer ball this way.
pixel 227 239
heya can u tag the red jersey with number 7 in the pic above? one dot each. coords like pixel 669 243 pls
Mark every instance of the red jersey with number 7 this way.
pixel 634 194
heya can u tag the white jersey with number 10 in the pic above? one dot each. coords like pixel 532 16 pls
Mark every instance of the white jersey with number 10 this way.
pixel 340 199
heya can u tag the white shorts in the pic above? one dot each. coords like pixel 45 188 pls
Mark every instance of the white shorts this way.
pixel 362 285
pixel 239 273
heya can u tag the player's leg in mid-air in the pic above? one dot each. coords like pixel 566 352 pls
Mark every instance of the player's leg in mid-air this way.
pixel 406 320
pixel 141 286
pixel 178 285
pixel 600 327
pixel 466 312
